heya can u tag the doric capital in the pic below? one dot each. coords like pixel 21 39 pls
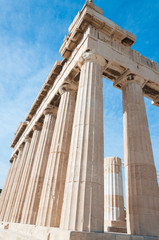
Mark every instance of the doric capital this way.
pixel 21 147
pixel 27 139
pixel 50 109
pixel 13 158
pixel 37 126
pixel 68 86
pixel 127 78
pixel 92 56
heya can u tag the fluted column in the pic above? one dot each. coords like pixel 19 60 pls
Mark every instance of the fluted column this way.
pixel 49 213
pixel 142 198
pixel 17 212
pixel 31 205
pixel 17 181
pixel 83 207
pixel 7 182
pixel 114 216
pixel 10 186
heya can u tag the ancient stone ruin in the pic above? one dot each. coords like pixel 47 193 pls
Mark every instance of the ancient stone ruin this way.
pixel 55 184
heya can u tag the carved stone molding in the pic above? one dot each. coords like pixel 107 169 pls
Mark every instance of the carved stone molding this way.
pixel 37 126
pixel 127 78
pixel 50 109
pixel 27 139
pixel 92 56
pixel 68 86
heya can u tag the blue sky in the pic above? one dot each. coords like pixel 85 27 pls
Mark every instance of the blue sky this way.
pixel 31 33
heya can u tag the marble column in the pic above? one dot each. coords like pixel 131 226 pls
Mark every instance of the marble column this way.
pixel 7 182
pixel 49 213
pixel 142 198
pixel 17 181
pixel 83 206
pixel 10 186
pixel 114 215
pixel 31 205
pixel 17 212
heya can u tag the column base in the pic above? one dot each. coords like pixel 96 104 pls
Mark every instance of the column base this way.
pixel 115 226
pixel 18 231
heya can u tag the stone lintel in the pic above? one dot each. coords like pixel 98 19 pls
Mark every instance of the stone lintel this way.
pixel 19 132
pixel 56 69
pixel 89 16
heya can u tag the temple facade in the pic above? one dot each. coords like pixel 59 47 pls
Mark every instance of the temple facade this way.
pixel 55 183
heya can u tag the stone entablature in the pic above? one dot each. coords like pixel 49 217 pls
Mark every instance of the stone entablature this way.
pixel 109 33
pixel 56 69
pixel 21 128
pixel 91 15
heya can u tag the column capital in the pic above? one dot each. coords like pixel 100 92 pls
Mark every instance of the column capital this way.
pixel 21 147
pixel 13 157
pixel 68 86
pixel 37 126
pixel 27 139
pixel 129 77
pixel 92 56
pixel 50 109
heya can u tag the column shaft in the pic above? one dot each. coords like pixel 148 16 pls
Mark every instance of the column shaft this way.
pixel 142 197
pixel 6 184
pixel 17 212
pixel 83 207
pixel 10 186
pixel 114 216
pixel 17 180
pixel 49 213
pixel 31 205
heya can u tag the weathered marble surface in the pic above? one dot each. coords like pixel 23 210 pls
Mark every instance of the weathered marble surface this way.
pixel 114 215
pixel 95 47
pixel 31 232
